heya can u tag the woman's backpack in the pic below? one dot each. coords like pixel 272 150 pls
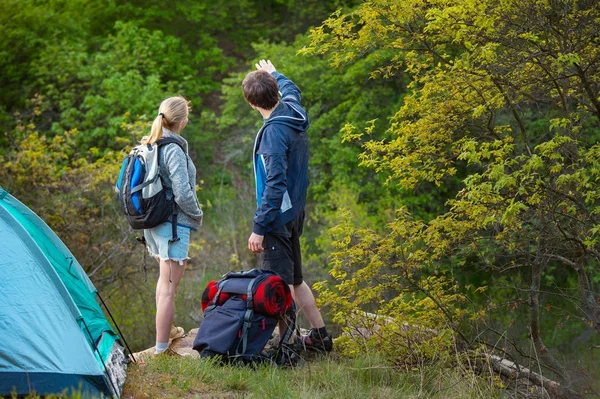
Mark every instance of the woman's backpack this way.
pixel 145 201
pixel 240 313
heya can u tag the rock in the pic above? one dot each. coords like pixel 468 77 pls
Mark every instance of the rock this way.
pixel 185 342
pixel 182 345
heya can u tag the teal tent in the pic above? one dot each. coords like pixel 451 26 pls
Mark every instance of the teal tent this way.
pixel 54 336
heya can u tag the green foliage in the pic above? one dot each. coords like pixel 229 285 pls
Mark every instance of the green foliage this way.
pixel 182 48
pixel 72 191
pixel 504 95
pixel 27 26
pixel 233 24
pixel 127 74
pixel 386 300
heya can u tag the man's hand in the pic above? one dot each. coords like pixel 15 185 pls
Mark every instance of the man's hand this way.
pixel 255 243
pixel 265 66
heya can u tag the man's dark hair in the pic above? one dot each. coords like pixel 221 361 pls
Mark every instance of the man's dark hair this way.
pixel 260 89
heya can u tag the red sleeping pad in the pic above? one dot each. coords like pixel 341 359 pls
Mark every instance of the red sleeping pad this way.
pixel 272 296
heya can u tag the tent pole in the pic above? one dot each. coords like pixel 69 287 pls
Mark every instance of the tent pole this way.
pixel 116 325
pixel 102 360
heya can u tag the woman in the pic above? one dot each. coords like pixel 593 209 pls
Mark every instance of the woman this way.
pixel 178 173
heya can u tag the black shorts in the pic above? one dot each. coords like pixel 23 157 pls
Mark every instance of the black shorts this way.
pixel 282 251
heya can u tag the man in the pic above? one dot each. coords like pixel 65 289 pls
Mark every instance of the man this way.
pixel 281 171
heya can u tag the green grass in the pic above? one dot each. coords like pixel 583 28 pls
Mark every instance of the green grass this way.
pixel 323 377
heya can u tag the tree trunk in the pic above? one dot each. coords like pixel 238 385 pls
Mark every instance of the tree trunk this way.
pixel 534 324
pixel 589 301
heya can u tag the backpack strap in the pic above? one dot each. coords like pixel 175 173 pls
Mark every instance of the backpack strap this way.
pixel 168 140
pixel 215 300
pixel 292 327
pixel 248 314
pixel 159 143
pixel 143 185
pixel 174 237
pixel 285 353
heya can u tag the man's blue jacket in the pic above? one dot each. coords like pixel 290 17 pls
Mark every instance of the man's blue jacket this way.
pixel 281 161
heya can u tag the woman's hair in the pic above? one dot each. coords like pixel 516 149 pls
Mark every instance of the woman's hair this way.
pixel 172 111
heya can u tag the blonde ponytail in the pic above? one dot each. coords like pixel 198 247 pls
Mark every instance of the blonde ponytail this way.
pixel 171 112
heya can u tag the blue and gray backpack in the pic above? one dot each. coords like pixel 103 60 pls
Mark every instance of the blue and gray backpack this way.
pixel 144 199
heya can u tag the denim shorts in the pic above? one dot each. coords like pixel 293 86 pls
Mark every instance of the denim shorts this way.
pixel 157 241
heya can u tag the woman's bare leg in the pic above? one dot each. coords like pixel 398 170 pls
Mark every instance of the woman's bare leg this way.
pixel 166 289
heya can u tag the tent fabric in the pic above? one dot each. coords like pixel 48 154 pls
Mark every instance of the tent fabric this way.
pixel 70 272
pixel 51 383
pixel 50 320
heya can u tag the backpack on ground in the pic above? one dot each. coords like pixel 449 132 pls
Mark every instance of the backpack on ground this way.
pixel 241 312
pixel 144 199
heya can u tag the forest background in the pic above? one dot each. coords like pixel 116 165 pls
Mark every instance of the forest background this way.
pixel 454 160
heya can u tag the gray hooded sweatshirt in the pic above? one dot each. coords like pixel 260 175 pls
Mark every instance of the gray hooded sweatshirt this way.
pixel 179 174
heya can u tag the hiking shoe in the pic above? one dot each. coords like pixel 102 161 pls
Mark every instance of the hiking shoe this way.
pixel 314 341
pixel 144 355
pixel 176 332
pixel 168 352
pixel 285 356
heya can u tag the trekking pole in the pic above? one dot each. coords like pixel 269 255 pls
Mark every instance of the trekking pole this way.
pixel 116 325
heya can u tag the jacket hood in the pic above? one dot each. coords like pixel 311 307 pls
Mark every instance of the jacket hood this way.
pixel 290 115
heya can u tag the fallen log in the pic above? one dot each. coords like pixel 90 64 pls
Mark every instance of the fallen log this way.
pixel 511 370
